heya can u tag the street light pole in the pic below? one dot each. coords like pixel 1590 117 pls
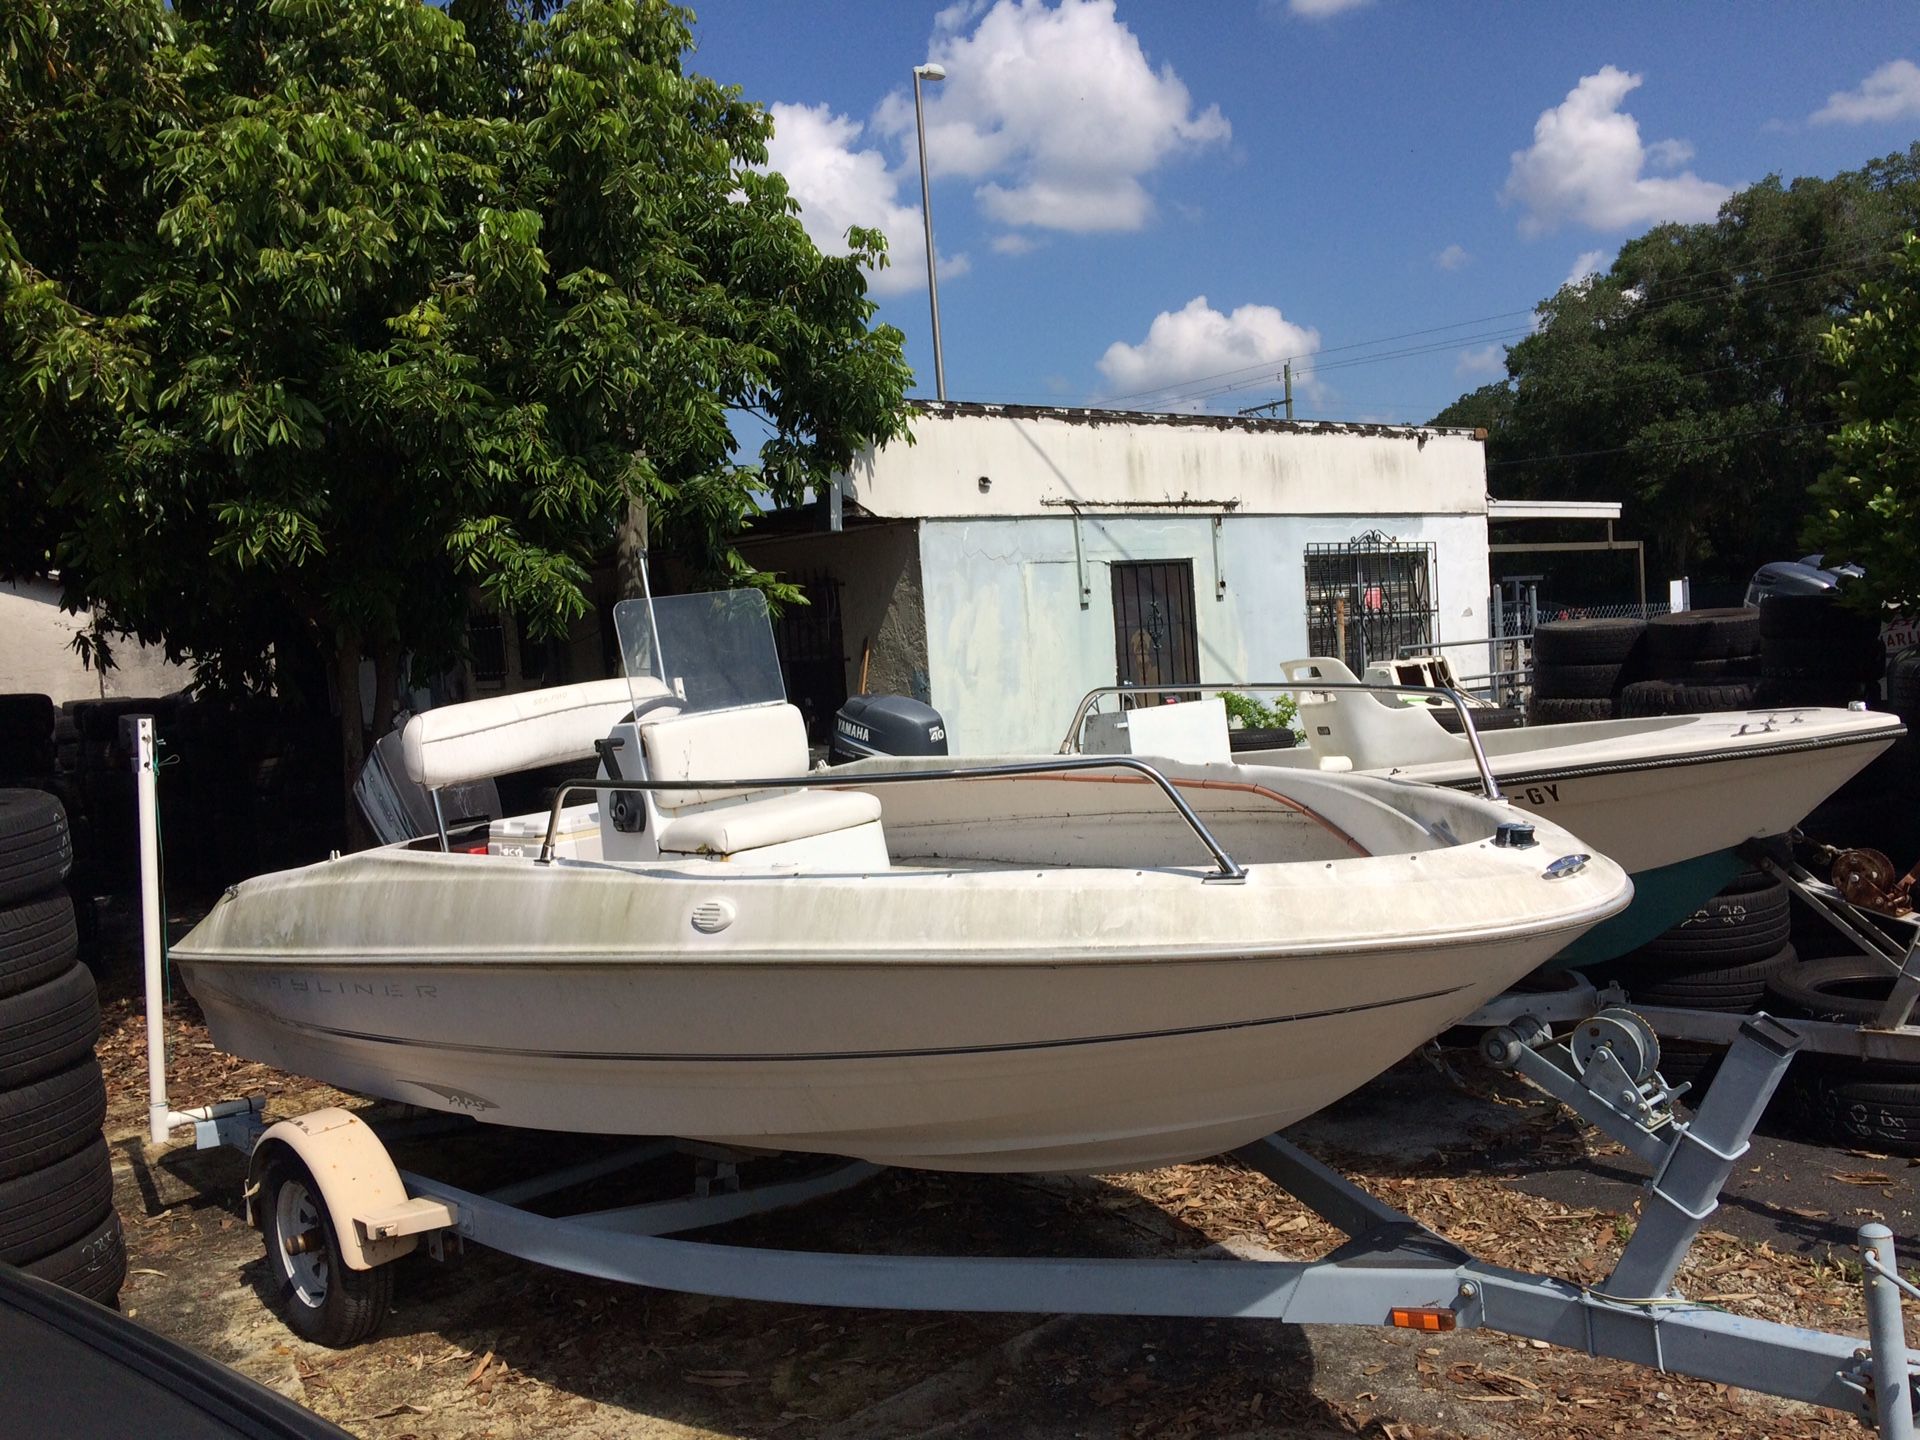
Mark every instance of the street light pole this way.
pixel 929 72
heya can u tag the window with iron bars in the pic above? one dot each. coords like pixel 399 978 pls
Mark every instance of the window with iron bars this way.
pixel 1369 599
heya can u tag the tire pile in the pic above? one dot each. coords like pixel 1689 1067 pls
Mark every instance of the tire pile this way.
pixel 57 1219
pixel 1861 1103
pixel 1579 666
pixel 1815 651
pixel 1695 663
pixel 1721 958
pixel 1699 662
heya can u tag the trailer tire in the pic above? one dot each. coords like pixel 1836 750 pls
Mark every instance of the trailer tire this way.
pixel 1849 989
pixel 94 1266
pixel 1725 989
pixel 322 1299
pixel 50 1119
pixel 1550 711
pixel 1693 1062
pixel 1674 641
pixel 1586 642
pixel 1494 717
pixel 38 939
pixel 1883 1113
pixel 48 1028
pixel 1668 697
pixel 47 1209
pixel 36 849
pixel 1575 682
pixel 1709 672
pixel 1750 907
pixel 1722 947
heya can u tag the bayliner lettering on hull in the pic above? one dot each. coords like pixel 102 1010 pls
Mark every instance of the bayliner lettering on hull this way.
pixel 383 989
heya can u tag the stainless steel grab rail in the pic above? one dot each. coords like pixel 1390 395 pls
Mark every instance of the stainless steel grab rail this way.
pixel 1230 869
pixel 1488 785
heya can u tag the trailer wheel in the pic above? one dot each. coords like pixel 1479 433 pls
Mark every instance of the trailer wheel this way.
pixel 323 1300
pixel 1882 1114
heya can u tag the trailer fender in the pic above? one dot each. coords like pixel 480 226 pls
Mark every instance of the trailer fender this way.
pixel 355 1175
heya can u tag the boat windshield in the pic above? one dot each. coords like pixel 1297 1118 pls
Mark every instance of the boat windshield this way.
pixel 714 651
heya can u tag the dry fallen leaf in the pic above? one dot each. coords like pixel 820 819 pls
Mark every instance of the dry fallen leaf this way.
pixel 480 1369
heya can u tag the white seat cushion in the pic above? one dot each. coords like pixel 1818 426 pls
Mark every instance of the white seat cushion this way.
pixel 457 744
pixel 755 824
pixel 756 743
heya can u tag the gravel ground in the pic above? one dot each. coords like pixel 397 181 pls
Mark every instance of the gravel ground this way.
pixel 484 1345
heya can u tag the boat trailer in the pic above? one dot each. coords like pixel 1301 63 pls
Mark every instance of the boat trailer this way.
pixel 1391 1271
pixel 350 1211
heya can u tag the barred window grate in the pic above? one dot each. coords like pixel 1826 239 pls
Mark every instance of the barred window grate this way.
pixel 1369 598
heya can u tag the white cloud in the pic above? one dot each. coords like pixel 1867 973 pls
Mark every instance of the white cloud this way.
pixel 1451 258
pixel 1483 363
pixel 1588 264
pixel 839 186
pixel 1321 9
pixel 1014 243
pixel 1587 166
pixel 1890 93
pixel 1055 111
pixel 1197 343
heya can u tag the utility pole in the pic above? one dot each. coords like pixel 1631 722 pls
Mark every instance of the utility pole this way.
pixel 1267 408
pixel 1286 373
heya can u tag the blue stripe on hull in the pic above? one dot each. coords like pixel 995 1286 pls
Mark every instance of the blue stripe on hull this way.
pixel 1662 898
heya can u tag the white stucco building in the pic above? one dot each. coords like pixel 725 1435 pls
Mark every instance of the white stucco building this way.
pixel 1012 558
pixel 37 654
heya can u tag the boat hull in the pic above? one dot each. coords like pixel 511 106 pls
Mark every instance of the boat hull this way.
pixel 963 1016
pixel 1082 1067
pixel 1668 799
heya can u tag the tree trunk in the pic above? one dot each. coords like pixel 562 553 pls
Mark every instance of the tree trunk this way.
pixel 353 736
pixel 630 551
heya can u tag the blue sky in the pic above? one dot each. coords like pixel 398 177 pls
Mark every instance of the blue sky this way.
pixel 1143 204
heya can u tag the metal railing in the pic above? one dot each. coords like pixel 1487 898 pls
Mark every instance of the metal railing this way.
pixel 1230 869
pixel 1489 786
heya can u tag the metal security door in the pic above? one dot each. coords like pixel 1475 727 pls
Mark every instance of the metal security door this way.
pixel 1154 638
pixel 1369 599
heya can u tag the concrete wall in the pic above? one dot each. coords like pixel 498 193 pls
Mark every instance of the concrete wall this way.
pixel 37 655
pixel 985 460
pixel 1011 651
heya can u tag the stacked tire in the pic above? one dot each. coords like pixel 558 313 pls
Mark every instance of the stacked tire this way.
pixel 1579 666
pixel 1857 1103
pixel 1816 651
pixel 1696 662
pixel 57 1219
pixel 1720 958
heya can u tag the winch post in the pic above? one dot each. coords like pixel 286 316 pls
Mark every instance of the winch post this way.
pixel 1892 1385
pixel 1685 1190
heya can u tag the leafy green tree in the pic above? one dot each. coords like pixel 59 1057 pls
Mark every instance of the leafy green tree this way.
pixel 1484 409
pixel 1868 504
pixel 1691 381
pixel 322 313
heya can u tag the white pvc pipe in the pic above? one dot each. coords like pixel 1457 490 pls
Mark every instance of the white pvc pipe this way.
pixel 159 1115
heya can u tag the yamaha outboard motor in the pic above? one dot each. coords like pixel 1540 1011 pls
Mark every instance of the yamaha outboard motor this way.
pixel 886 725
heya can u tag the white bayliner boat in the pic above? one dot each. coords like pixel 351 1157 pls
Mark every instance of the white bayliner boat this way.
pixel 1669 798
pixel 1032 966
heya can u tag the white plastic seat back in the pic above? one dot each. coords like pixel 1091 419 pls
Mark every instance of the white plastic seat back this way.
pixel 1353 726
